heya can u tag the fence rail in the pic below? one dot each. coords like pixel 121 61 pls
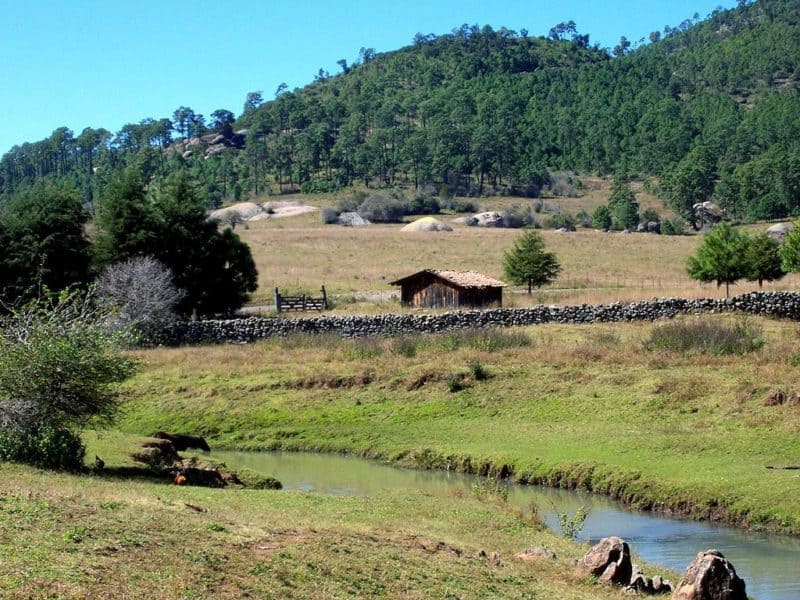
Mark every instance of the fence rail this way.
pixel 301 303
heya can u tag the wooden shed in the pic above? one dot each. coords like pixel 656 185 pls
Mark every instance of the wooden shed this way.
pixel 436 289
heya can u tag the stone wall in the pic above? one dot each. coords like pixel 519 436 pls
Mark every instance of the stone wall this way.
pixel 774 304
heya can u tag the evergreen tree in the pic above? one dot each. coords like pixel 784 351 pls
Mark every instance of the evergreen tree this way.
pixel 601 218
pixel 216 270
pixel 527 262
pixel 763 259
pixel 721 257
pixel 622 204
pixel 790 251
pixel 43 241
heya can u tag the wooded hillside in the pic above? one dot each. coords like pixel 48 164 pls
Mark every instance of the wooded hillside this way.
pixel 710 108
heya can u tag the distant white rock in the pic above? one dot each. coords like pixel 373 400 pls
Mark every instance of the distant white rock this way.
pixel 487 219
pixel 353 219
pixel 427 224
pixel 779 231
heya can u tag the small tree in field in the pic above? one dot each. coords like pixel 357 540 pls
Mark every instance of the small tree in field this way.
pixel 722 257
pixel 58 371
pixel 763 259
pixel 527 262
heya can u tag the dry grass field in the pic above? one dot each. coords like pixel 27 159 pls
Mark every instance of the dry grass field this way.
pixel 301 254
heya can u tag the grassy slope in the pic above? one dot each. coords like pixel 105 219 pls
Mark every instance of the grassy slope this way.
pixel 91 536
pixel 582 405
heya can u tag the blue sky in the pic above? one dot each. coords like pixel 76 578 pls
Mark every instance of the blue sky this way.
pixel 104 63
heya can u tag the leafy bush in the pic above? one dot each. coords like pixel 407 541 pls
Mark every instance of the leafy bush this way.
pixel 516 217
pixel 706 336
pixel 649 214
pixel 329 215
pixel 572 526
pixel 47 447
pixel 601 218
pixel 58 369
pixel 460 205
pixel 583 218
pixel 379 209
pixel 423 204
pixel 672 226
pixel 455 383
pixel 559 221
pixel 478 371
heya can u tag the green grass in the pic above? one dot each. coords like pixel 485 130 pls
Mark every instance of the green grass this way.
pixel 91 536
pixel 579 406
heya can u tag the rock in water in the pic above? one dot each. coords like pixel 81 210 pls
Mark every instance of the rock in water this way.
pixel 710 577
pixel 609 560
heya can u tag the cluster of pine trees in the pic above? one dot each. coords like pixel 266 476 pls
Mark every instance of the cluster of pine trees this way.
pixel 710 108
pixel 46 248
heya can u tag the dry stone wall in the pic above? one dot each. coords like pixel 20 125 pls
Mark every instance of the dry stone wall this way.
pixel 239 331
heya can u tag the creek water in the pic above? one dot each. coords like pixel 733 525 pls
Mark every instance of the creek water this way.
pixel 769 564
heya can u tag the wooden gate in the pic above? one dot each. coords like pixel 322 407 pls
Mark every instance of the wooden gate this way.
pixel 300 303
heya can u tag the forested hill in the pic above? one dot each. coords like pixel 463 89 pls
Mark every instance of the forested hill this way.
pixel 711 107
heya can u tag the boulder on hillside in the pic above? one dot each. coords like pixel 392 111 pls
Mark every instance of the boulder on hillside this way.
pixel 609 560
pixel 352 219
pixel 710 577
pixel 779 231
pixel 240 212
pixel 708 212
pixel 427 224
pixel 487 219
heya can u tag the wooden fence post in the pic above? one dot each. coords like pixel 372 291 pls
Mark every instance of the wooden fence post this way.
pixel 324 299
pixel 277 300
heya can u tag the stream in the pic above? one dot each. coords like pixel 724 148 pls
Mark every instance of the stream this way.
pixel 769 564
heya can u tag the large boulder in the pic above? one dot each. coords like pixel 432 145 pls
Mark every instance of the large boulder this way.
pixel 708 211
pixel 779 231
pixel 710 577
pixel 487 219
pixel 427 224
pixel 352 219
pixel 609 560
pixel 240 212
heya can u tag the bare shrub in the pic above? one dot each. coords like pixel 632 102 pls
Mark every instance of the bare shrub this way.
pixel 139 293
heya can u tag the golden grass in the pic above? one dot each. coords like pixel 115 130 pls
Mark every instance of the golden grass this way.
pixel 596 266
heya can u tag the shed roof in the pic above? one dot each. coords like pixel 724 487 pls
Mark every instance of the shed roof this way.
pixel 463 279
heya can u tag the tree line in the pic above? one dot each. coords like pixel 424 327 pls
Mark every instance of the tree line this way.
pixel 47 248
pixel 710 108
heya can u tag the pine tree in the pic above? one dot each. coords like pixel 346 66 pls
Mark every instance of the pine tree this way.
pixel 527 262
pixel 722 257
pixel 763 259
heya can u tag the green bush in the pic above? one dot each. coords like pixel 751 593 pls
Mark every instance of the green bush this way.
pixel 706 337
pixel 379 209
pixel 329 215
pixel 48 448
pixel 423 204
pixel 59 368
pixel 478 371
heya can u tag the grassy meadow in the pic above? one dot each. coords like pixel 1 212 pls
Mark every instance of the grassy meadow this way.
pixel 566 405
pixel 110 535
